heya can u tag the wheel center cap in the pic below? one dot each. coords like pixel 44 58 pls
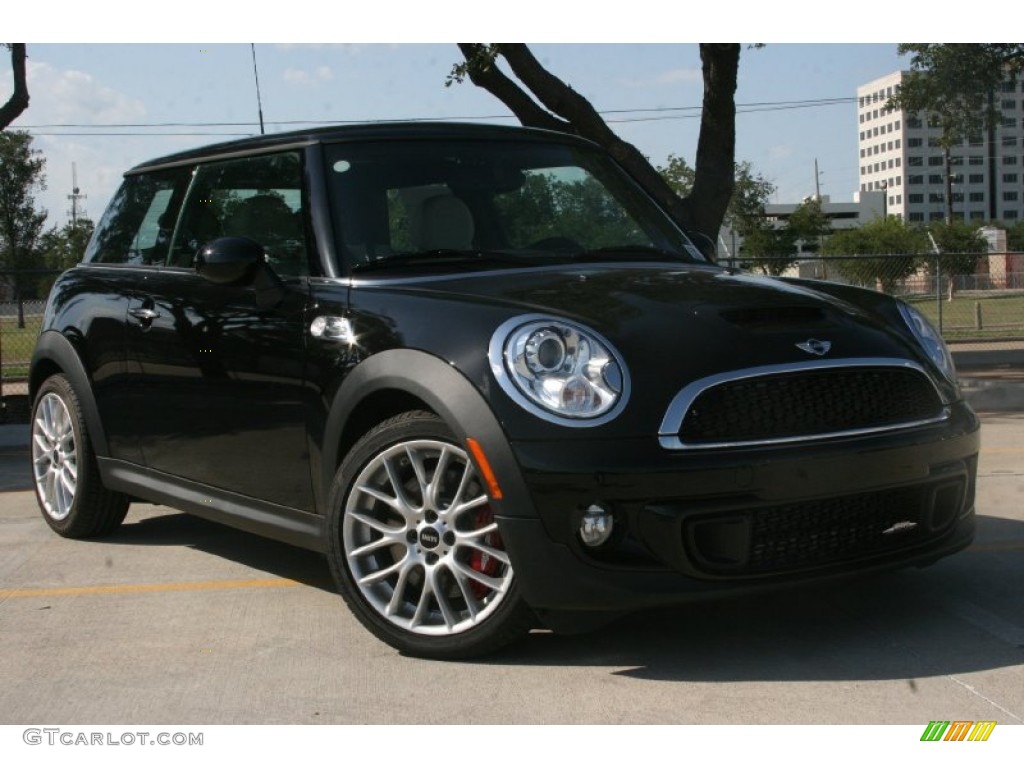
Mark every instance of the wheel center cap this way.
pixel 429 538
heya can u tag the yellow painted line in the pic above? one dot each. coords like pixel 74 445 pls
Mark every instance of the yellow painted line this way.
pixel 121 589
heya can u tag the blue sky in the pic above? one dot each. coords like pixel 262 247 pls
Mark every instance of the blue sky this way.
pixel 135 84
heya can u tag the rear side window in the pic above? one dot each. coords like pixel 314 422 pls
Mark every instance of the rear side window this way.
pixel 137 225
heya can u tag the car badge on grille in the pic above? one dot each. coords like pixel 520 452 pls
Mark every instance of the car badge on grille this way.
pixel 815 347
pixel 902 525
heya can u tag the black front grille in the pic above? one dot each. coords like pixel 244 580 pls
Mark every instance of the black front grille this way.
pixel 814 534
pixel 807 403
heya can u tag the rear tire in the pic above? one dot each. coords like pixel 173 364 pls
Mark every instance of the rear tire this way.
pixel 67 482
pixel 414 548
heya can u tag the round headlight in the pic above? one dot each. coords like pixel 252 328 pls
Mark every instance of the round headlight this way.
pixel 929 339
pixel 558 370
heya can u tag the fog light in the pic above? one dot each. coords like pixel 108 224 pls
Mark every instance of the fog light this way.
pixel 596 526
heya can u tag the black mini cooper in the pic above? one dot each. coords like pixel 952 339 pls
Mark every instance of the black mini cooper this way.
pixel 484 374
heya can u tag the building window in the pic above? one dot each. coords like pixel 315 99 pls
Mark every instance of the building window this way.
pixel 958 197
pixel 976 160
pixel 1009 122
pixel 897 124
pixel 975 141
pixel 976 197
pixel 958 178
pixel 898 178
pixel 933 141
pixel 1010 160
pixel 1007 87
pixel 977 215
pixel 890 146
pixel 935 178
pixel 916 141
pixel 976 178
pixel 1010 214
pixel 1009 141
pixel 862 121
pixel 891 163
pixel 914 160
pixel 914 180
pixel 862 153
pixel 956 160
pixel 1010 178
pixel 1010 196
pixel 1009 104
pixel 915 198
pixel 915 216
pixel 899 160
pixel 874 115
pixel 899 199
pixel 936 160
pixel 936 197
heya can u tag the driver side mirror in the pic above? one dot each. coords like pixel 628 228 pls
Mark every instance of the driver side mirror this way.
pixel 240 260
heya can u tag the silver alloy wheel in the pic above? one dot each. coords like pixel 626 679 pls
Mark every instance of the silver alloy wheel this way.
pixel 54 456
pixel 421 542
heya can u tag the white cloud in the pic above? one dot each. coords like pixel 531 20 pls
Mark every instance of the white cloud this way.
pixel 65 96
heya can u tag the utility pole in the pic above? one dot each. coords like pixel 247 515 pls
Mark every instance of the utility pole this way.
pixel 817 183
pixel 75 196
pixel 256 75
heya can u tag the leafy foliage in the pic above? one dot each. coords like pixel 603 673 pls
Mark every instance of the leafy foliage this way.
pixel 952 84
pixel 899 246
pixel 61 248
pixel 960 244
pixel 21 223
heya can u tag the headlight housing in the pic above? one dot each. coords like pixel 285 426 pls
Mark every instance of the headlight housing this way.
pixel 558 370
pixel 929 339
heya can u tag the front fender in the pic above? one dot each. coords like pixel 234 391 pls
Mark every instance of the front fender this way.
pixel 449 394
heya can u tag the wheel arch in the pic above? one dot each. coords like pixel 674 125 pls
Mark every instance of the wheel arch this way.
pixel 395 381
pixel 54 354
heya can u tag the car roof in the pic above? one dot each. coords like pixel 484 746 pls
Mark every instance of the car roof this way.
pixel 352 132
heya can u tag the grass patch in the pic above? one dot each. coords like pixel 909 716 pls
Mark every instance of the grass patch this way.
pixel 1001 315
pixel 17 344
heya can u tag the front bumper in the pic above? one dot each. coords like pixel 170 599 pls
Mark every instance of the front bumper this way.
pixel 696 524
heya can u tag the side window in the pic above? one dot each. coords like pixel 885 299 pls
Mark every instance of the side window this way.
pixel 136 227
pixel 257 197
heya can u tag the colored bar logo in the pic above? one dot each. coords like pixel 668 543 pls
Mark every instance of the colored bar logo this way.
pixel 958 730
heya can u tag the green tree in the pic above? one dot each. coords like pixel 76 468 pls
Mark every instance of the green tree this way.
pixel 960 244
pixel 809 224
pixel 898 246
pixel 18 102
pixel 21 223
pixel 61 248
pixel 953 86
pixel 1015 237
pixel 542 100
pixel 745 213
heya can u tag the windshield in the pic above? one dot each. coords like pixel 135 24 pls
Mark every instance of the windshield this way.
pixel 447 205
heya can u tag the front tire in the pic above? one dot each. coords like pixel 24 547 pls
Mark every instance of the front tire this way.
pixel 414 548
pixel 68 488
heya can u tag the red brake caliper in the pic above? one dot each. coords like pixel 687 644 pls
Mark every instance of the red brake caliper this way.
pixel 481 562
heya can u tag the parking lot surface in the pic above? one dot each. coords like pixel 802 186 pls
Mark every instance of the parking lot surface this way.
pixel 177 620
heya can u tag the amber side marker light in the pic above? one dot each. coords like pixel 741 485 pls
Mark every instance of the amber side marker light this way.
pixel 485 467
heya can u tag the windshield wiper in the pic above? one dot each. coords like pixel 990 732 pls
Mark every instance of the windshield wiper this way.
pixel 630 252
pixel 439 257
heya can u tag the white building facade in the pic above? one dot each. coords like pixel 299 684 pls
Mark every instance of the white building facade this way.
pixel 900 155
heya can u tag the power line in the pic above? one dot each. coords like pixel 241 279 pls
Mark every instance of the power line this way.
pixel 645 114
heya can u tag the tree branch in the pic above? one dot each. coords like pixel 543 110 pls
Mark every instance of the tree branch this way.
pixel 483 73
pixel 18 102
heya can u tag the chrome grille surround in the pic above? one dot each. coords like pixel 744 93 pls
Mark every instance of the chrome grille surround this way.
pixel 672 423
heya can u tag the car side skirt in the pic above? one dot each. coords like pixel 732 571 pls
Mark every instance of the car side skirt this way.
pixel 291 526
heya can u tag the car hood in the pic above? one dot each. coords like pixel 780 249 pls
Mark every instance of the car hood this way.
pixel 671 324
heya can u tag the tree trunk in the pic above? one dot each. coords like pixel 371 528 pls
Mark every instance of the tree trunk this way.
pixel 18 102
pixel 562 108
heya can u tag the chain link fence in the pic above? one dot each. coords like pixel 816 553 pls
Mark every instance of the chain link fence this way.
pixel 20 320
pixel 977 308
pixel 975 299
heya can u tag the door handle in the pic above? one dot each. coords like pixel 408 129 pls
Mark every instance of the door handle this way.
pixel 145 314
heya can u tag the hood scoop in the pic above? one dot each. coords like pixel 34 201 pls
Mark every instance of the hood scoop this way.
pixel 774 318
